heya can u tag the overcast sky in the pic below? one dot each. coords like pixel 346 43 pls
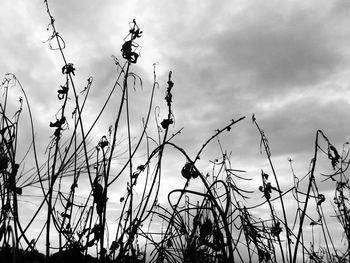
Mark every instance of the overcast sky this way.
pixel 287 62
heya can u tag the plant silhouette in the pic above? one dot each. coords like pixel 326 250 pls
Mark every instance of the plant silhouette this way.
pixel 208 219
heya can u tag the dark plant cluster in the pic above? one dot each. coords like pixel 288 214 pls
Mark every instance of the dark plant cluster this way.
pixel 209 219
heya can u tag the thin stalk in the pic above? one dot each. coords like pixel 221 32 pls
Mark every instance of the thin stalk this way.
pixel 303 212
pixel 130 157
pixel 285 221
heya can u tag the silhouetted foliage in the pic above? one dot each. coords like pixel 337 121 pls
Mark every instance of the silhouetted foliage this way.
pixel 209 219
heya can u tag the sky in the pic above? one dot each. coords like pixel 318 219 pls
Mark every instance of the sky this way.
pixel 286 62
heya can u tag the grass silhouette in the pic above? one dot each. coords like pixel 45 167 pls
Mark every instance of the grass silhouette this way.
pixel 211 223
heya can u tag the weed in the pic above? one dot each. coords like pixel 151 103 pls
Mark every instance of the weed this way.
pixel 208 219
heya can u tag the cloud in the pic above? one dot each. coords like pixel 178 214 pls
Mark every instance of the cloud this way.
pixel 277 53
pixel 300 120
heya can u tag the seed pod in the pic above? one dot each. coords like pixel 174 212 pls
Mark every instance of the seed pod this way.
pixel 186 170
pixel 189 171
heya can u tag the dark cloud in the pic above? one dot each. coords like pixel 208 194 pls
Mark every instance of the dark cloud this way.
pixel 292 129
pixel 277 53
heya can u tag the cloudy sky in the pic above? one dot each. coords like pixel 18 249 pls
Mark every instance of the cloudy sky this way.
pixel 286 62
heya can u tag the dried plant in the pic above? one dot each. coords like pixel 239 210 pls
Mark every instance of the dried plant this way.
pixel 210 220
